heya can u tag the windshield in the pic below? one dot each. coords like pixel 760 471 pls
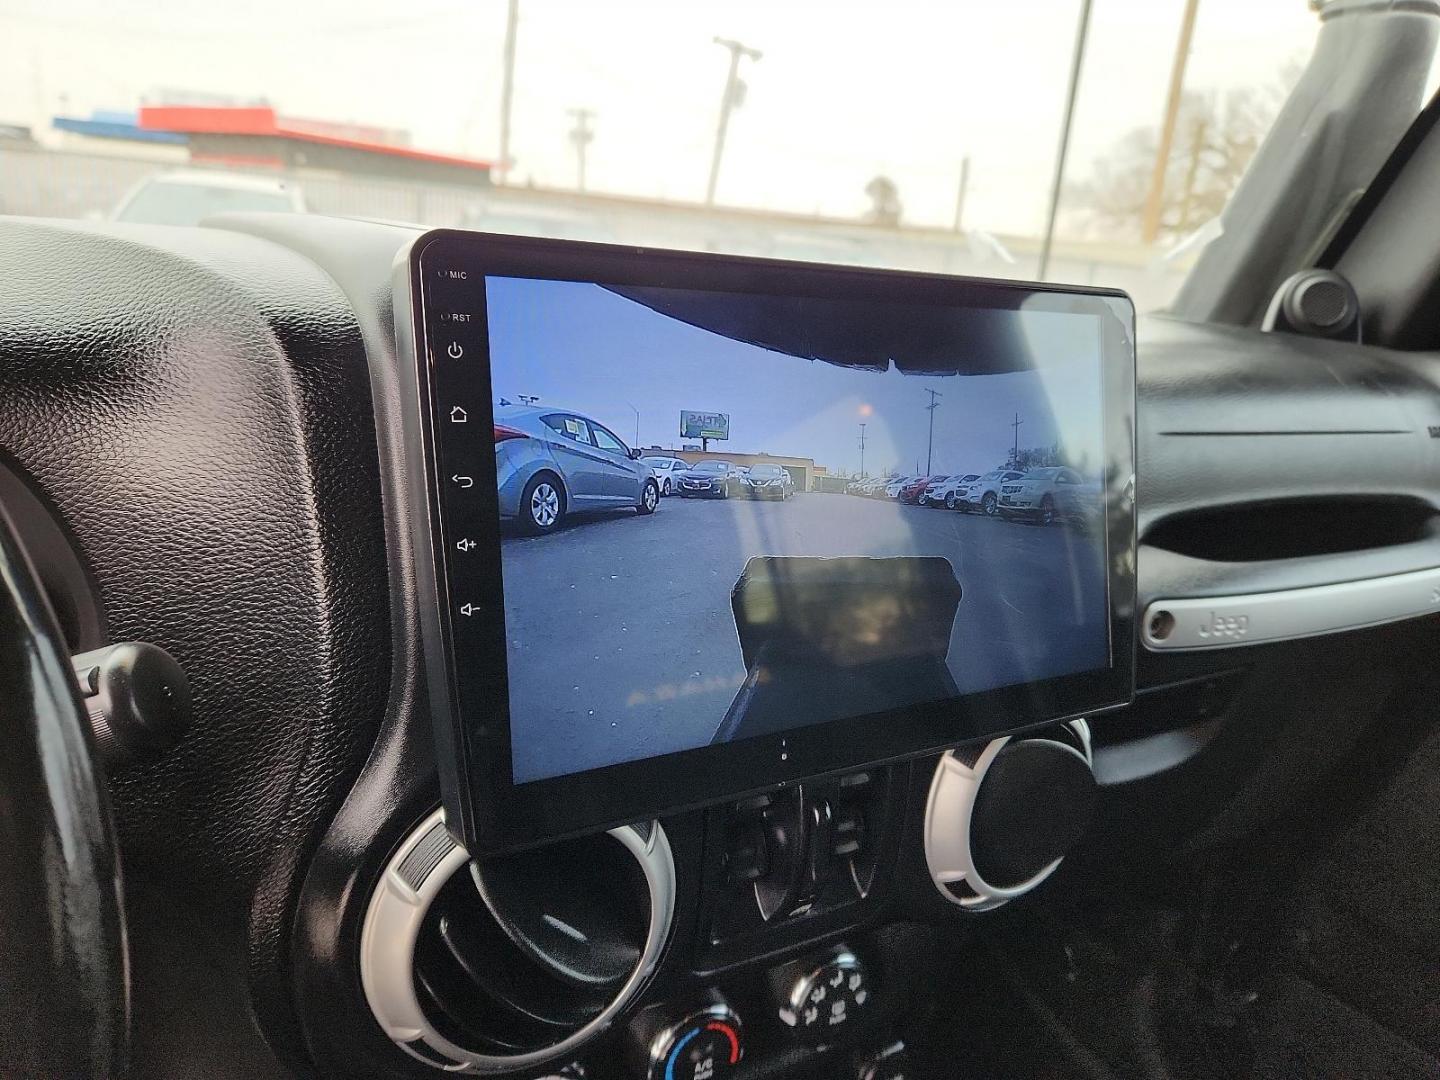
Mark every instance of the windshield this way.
pixel 711 466
pixel 910 134
pixel 767 472
pixel 163 202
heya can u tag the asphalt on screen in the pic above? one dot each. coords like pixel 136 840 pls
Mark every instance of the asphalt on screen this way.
pixel 622 641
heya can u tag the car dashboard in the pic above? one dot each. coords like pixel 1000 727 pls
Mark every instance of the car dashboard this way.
pixel 203 448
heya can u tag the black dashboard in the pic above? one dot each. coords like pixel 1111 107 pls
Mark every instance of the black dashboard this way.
pixel 202 445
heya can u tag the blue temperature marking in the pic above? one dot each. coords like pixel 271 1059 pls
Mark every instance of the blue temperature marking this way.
pixel 675 1054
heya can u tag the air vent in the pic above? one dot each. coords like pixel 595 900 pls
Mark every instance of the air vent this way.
pixel 506 963
pixel 1000 818
pixel 1294 528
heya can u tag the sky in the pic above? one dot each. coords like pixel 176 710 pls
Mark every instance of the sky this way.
pixel 581 347
pixel 844 90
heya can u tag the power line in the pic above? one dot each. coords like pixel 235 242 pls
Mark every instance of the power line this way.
pixel 581 136
pixel 733 98
pixel 934 404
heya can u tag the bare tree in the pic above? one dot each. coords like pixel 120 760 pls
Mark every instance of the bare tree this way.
pixel 1216 135
pixel 884 196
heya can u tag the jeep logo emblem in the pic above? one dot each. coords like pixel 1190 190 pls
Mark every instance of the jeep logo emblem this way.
pixel 1225 626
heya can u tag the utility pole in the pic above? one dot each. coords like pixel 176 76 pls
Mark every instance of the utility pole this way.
pixel 507 89
pixel 1155 200
pixel 733 98
pixel 934 404
pixel 960 195
pixel 862 451
pixel 1077 62
pixel 1015 454
pixel 581 136
pixel 637 424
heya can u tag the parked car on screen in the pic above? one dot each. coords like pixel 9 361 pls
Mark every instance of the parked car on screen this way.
pixel 984 493
pixel 768 482
pixel 892 489
pixel 911 492
pixel 946 491
pixel 550 463
pixel 1048 495
pixel 922 497
pixel 935 484
pixel 710 480
pixel 189 196
pixel 667 472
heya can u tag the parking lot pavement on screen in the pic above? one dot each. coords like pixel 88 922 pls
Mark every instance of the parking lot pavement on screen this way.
pixel 623 642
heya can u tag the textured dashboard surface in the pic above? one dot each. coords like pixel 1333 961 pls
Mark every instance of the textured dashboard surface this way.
pixel 195 403
pixel 1230 418
pixel 1231 414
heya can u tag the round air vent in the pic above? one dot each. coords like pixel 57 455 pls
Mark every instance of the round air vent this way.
pixel 499 964
pixel 1001 817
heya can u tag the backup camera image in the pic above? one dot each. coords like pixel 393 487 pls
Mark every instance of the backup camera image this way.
pixel 728 515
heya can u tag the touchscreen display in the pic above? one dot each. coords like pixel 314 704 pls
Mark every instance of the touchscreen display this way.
pixel 726 515
pixel 699 525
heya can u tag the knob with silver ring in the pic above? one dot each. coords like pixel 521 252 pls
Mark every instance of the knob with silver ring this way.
pixel 706 1045
pixel 818 1000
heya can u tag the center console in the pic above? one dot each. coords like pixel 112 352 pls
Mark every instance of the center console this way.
pixel 728 728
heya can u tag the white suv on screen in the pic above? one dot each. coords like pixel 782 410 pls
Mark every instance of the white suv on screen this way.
pixel 984 493
pixel 945 492
pixel 1047 495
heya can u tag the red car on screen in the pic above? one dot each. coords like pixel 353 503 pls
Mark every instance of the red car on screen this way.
pixel 911 491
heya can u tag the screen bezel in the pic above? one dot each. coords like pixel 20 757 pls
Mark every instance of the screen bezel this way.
pixel 486 810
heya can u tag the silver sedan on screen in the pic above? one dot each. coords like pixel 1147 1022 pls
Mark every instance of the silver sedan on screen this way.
pixel 552 462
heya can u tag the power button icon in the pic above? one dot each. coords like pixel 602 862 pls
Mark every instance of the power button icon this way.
pixel 455 352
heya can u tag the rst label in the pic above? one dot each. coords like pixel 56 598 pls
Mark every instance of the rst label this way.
pixel 1224 626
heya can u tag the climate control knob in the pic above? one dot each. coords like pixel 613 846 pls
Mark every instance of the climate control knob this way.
pixel 820 999
pixel 705 1045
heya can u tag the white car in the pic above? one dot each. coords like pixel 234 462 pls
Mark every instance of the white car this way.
pixel 942 492
pixel 1048 495
pixel 892 489
pixel 667 472
pixel 984 494
pixel 189 196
